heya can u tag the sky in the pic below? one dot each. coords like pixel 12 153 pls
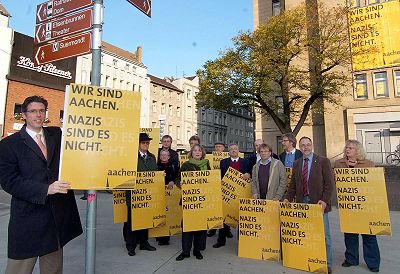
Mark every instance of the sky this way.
pixel 177 40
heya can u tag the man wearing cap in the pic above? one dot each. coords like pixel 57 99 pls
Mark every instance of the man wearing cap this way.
pixel 146 162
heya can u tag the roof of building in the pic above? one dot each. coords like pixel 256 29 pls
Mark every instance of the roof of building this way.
pixel 3 11
pixel 107 47
pixel 191 77
pixel 163 82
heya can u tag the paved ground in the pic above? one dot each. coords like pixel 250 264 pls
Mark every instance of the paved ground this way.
pixel 112 257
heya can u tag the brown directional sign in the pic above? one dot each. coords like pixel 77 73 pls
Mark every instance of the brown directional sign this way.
pixel 55 8
pixel 143 5
pixel 63 48
pixel 63 26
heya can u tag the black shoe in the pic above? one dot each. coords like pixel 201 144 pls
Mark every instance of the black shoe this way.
pixel 83 198
pixel 229 234
pixel 346 264
pixel 374 269
pixel 218 245
pixel 329 270
pixel 148 248
pixel 163 243
pixel 198 255
pixel 182 256
pixel 211 232
pixel 131 253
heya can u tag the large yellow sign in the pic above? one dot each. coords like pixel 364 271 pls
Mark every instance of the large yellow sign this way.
pixel 233 188
pixel 148 200
pixel 259 229
pixel 183 158
pixel 302 236
pixel 100 137
pixel 119 206
pixel 216 157
pixel 153 133
pixel 173 225
pixel 201 200
pixel 375 35
pixel 362 201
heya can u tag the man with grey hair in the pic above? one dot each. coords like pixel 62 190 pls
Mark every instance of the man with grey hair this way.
pixel 291 154
pixel 254 158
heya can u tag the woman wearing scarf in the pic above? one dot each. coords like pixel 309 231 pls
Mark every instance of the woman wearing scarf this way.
pixel 198 238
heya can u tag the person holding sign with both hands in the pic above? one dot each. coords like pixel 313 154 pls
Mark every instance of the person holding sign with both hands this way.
pixel 354 157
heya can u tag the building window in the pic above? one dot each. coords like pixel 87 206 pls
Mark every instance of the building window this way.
pixel 178 112
pixel 354 3
pixel 61 116
pixel 154 106
pixel 381 84
pixel 114 85
pixel 276 7
pixel 154 124
pixel 179 96
pixel 231 130
pixel 127 66
pixel 397 82
pixel 170 94
pixel 133 87
pixel 154 89
pixel 170 110
pixel 163 92
pixel 360 85
pixel 210 138
pixel 115 62
pixel 371 2
pixel 140 88
pixel 279 104
pixel 170 130
pixel 17 110
pixel 121 84
pixel 163 108
pixel 188 94
pixel 107 82
pixel 189 112
pixel 178 132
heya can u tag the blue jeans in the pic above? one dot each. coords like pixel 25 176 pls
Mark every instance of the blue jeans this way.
pixel 328 241
pixel 370 249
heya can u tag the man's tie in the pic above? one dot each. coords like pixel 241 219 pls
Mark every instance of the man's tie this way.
pixel 41 145
pixel 304 177
pixel 145 158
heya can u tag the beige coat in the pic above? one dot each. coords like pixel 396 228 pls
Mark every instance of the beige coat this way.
pixel 277 183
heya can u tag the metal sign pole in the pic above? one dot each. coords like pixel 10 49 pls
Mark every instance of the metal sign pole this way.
pixel 91 209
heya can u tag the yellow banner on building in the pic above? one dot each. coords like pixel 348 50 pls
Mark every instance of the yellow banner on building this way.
pixel 173 225
pixel 362 201
pixel 183 158
pixel 148 200
pixel 233 187
pixel 100 137
pixel 259 229
pixel 120 209
pixel 153 133
pixel 303 238
pixel 201 200
pixel 375 35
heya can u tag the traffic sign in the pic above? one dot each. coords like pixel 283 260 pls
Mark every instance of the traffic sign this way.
pixel 143 5
pixel 63 26
pixel 55 8
pixel 63 48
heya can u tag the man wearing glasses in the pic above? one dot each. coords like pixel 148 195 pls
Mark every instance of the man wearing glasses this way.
pixel 43 215
pixel 291 154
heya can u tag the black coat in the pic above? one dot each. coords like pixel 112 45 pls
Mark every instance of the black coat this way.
pixel 171 170
pixel 38 223
pixel 225 164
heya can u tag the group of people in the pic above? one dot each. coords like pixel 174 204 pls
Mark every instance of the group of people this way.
pixel 44 216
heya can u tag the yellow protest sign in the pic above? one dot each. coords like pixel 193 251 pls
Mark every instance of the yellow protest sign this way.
pixel 173 225
pixel 119 206
pixel 362 201
pixel 375 35
pixel 216 157
pixel 201 200
pixel 153 133
pixel 303 238
pixel 233 187
pixel 259 229
pixel 289 174
pixel 100 137
pixel 148 200
pixel 183 158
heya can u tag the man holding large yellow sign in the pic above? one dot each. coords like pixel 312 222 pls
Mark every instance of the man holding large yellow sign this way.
pixel 259 229
pixel 302 235
pixel 99 145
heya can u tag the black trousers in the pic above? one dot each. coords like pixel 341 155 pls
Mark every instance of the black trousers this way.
pixel 132 238
pixel 198 238
pixel 222 232
pixel 164 239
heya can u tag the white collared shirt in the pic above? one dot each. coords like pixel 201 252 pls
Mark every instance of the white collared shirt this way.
pixel 291 152
pixel 33 135
pixel 235 159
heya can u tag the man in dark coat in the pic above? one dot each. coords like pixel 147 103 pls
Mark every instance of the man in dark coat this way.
pixel 241 165
pixel 255 157
pixel 312 183
pixel 43 215
pixel 291 154
pixel 166 142
pixel 146 162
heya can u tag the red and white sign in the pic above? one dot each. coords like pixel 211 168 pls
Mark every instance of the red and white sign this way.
pixel 63 48
pixel 55 8
pixel 63 26
pixel 143 5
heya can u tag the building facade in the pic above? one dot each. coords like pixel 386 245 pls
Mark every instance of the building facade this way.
pixel 369 113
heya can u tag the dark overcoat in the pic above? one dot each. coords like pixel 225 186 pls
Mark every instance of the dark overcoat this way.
pixel 39 223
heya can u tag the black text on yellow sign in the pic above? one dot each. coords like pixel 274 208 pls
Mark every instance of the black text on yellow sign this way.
pixel 201 200
pixel 362 201
pixel 148 204
pixel 97 152
pixel 302 236
pixel 259 229
pixel 233 187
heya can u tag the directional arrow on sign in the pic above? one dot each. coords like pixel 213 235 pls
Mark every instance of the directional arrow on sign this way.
pixel 143 5
pixel 52 9
pixel 63 26
pixel 63 48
